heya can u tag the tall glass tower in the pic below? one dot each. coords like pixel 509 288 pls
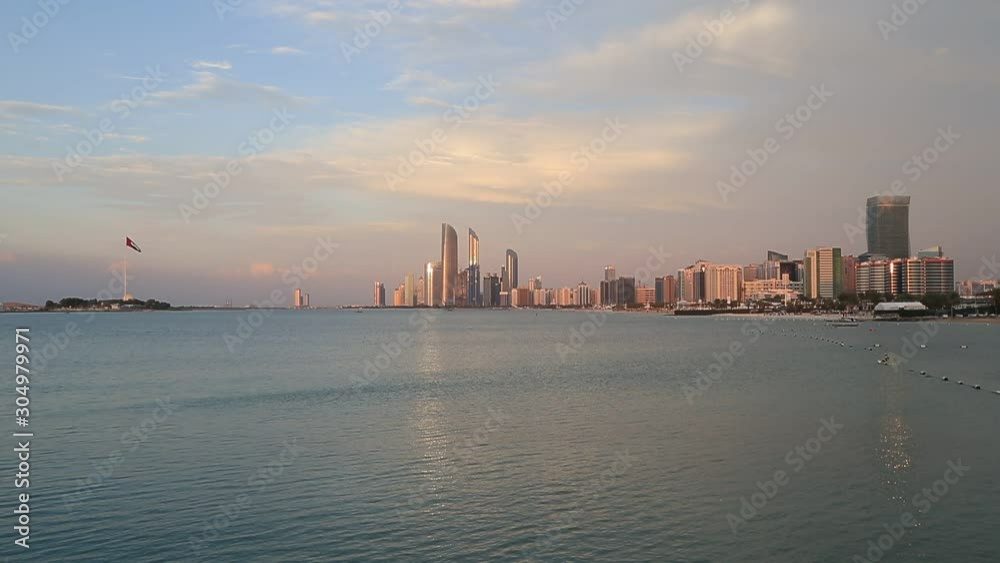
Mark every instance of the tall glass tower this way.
pixel 449 264
pixel 510 273
pixel 475 294
pixel 889 226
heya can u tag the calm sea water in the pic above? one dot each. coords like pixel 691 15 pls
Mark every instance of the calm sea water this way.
pixel 504 436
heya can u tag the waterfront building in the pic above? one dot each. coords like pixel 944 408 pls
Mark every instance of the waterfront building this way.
pixel 888 228
pixel 379 294
pixel 645 296
pixel 510 271
pixel 475 291
pixel 491 290
pixel 760 290
pixel 449 264
pixel 824 273
pixel 409 291
pixel 850 274
pixel 540 298
pixel 723 283
pixel 462 289
pixel 624 291
pixel 433 288
pixel 535 283
pixel 912 276
pixel 520 297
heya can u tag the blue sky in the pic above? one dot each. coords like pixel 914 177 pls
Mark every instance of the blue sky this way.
pixel 557 81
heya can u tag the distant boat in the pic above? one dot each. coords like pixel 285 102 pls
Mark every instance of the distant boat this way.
pixel 844 321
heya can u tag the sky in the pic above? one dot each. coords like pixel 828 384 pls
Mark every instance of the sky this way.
pixel 233 139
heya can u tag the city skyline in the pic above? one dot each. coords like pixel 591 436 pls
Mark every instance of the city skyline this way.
pixel 887 267
pixel 636 160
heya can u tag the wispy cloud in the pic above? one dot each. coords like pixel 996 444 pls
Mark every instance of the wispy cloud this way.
pixel 210 86
pixel 16 108
pixel 285 50
pixel 215 65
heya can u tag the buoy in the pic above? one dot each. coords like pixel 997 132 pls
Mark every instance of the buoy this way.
pixel 925 373
pixel 976 387
pixel 961 382
pixel 945 378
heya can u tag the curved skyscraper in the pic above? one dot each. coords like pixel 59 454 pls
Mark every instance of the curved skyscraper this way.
pixel 889 226
pixel 475 280
pixel 510 271
pixel 449 264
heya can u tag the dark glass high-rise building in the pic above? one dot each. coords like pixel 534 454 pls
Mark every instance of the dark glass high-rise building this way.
pixel 889 226
pixel 624 291
pixel 475 293
pixel 510 271
pixel 449 264
pixel 491 290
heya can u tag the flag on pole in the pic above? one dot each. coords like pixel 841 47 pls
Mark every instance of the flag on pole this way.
pixel 131 244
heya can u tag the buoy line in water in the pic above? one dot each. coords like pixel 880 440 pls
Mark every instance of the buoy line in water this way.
pixel 886 359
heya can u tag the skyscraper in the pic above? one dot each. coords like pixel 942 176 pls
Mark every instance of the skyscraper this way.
pixel 297 299
pixel 666 290
pixel 609 273
pixel 462 288
pixel 850 274
pixel 449 264
pixel 432 284
pixel 491 290
pixel 510 272
pixel 379 294
pixel 824 273
pixel 723 282
pixel 889 226
pixel 475 292
pixel 624 291
pixel 409 291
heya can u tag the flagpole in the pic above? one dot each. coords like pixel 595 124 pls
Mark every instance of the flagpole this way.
pixel 125 296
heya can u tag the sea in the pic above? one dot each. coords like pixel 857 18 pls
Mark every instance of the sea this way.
pixel 476 436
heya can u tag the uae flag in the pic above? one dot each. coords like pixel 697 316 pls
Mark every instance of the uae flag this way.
pixel 131 244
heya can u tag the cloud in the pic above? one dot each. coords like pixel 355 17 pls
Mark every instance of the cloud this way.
pixel 209 86
pixel 418 78
pixel 19 109
pixel 284 50
pixel 138 139
pixel 261 269
pixel 215 65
